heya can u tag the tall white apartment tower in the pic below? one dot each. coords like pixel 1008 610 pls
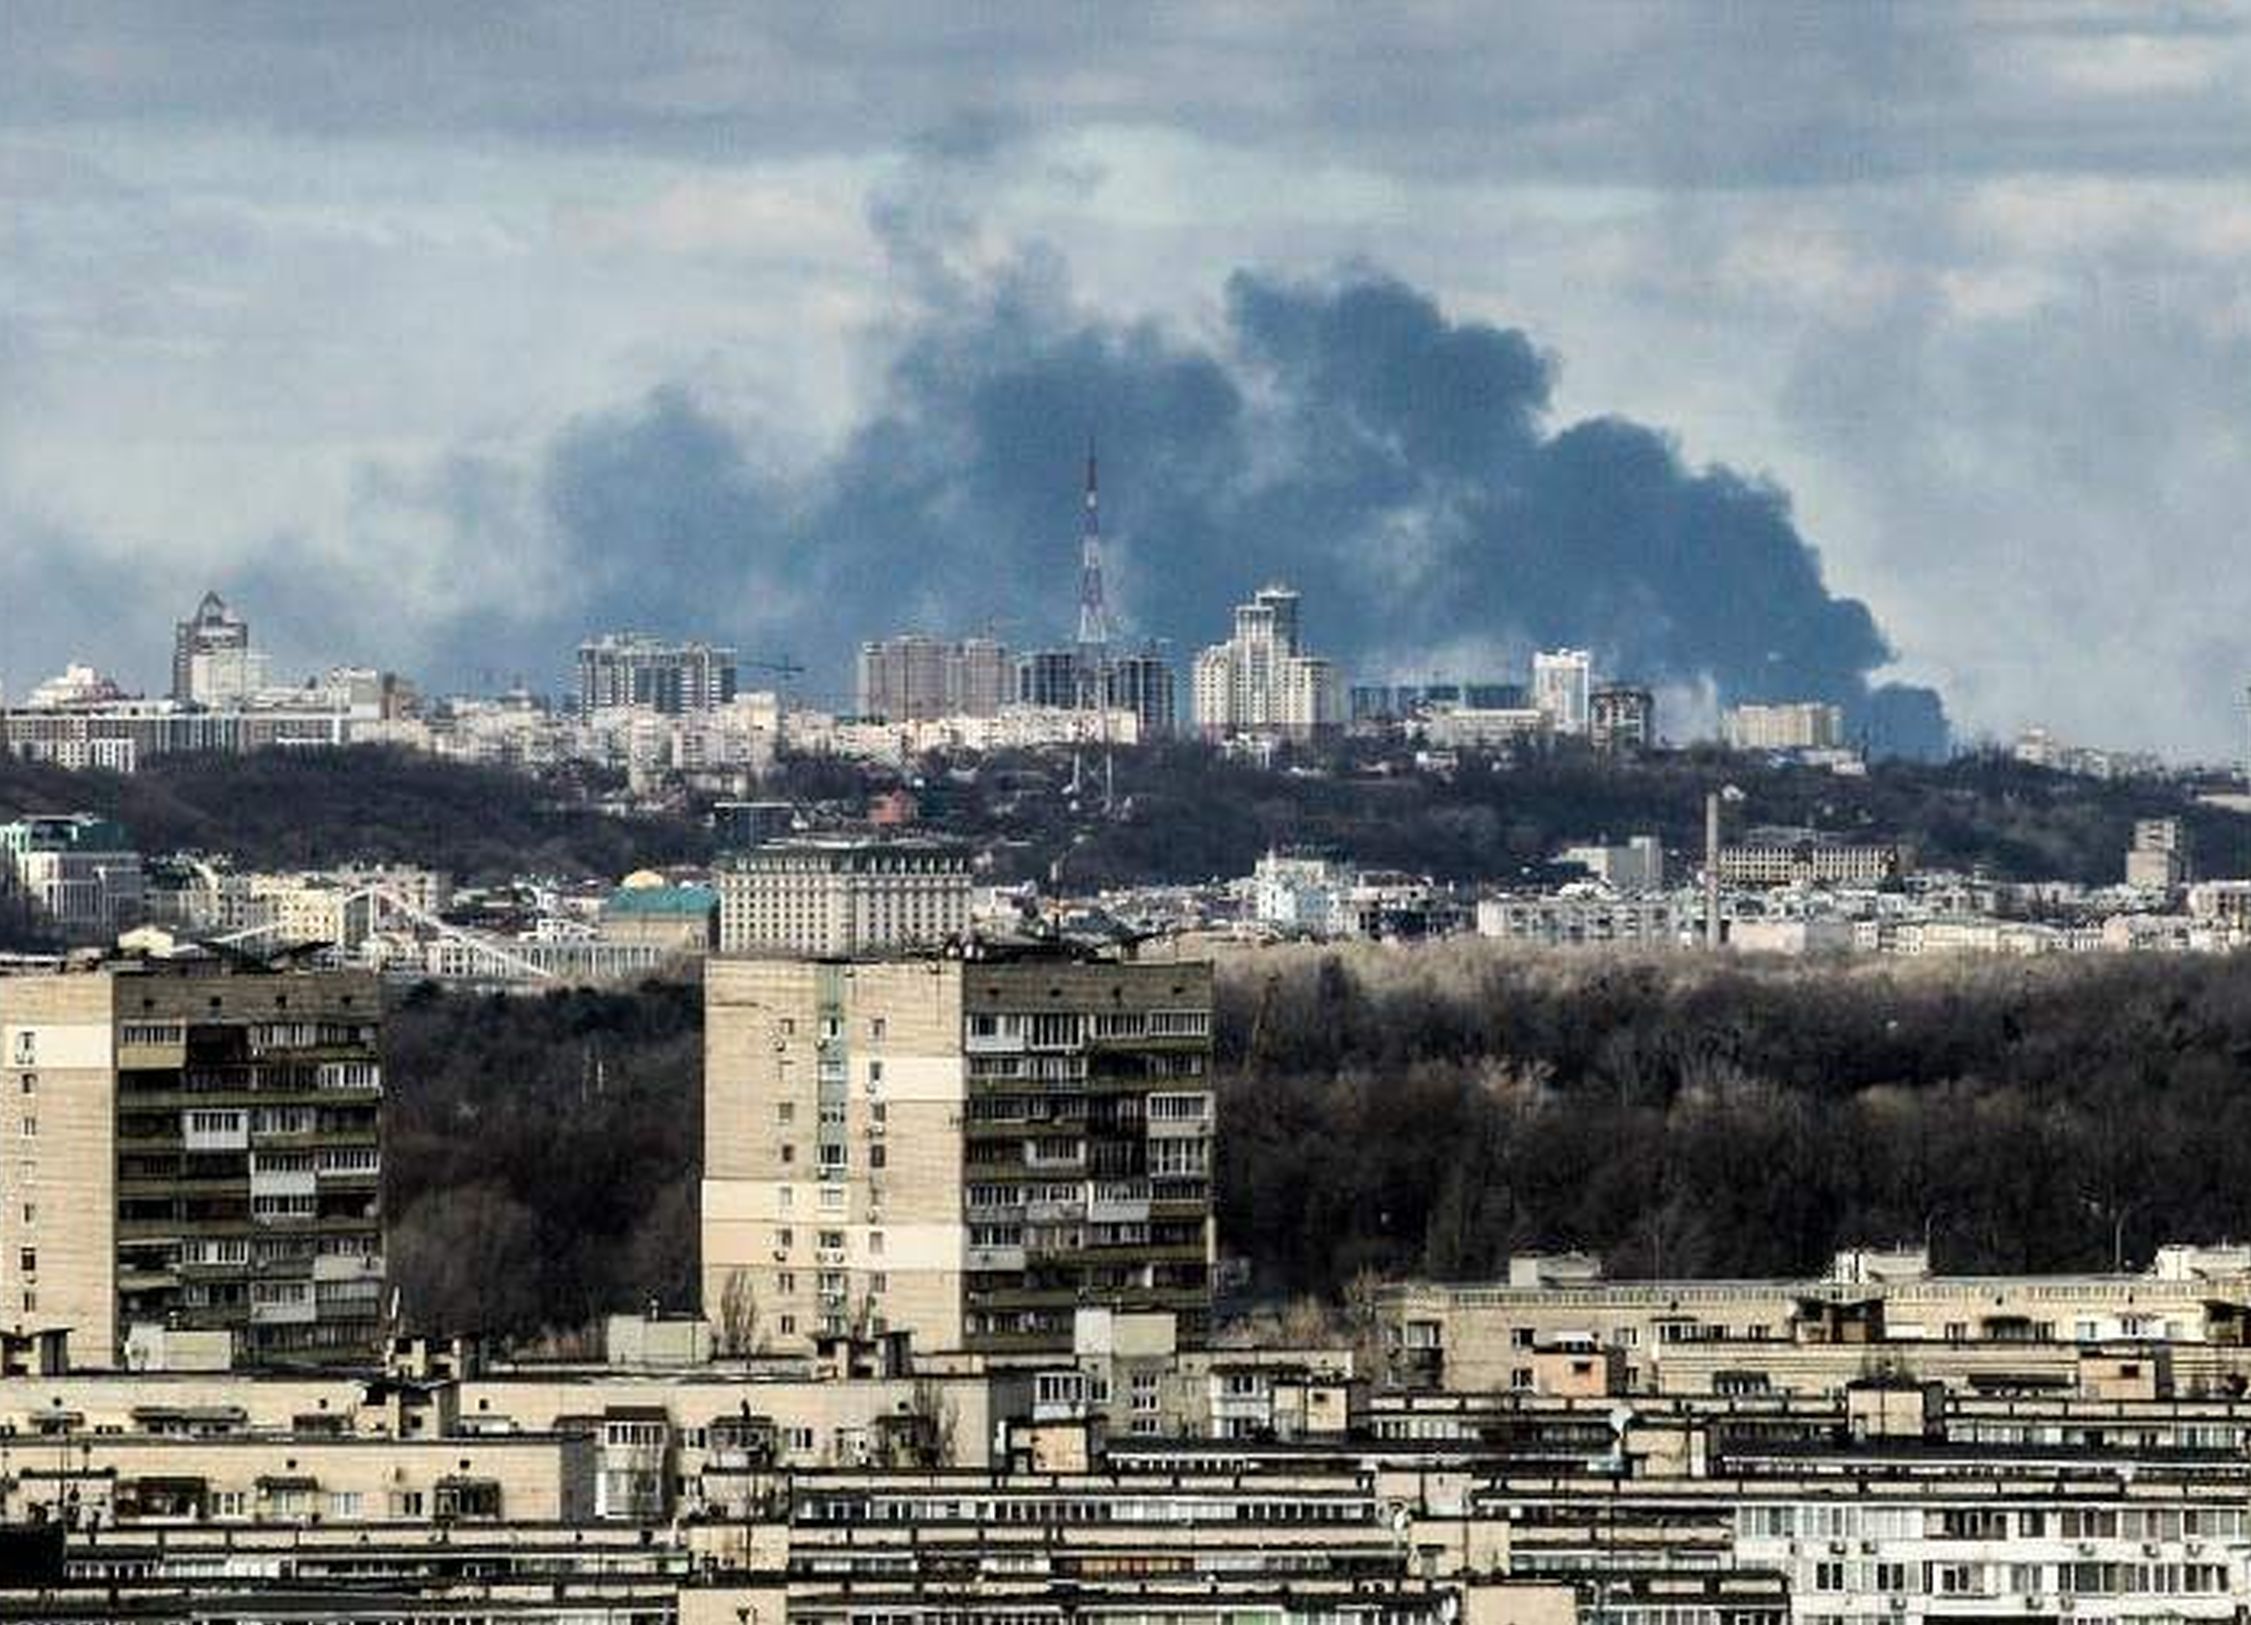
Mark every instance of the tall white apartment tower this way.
pixel 1262 679
pixel 1562 687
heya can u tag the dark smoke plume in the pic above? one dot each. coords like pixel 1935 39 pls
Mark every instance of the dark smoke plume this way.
pixel 1396 466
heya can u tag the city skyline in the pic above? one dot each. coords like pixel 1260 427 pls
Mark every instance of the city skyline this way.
pixel 1960 284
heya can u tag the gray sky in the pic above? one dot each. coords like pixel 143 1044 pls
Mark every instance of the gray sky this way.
pixel 368 315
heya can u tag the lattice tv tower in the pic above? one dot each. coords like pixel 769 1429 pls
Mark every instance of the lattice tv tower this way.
pixel 1094 624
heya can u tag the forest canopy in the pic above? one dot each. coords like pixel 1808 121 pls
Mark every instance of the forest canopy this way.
pixel 1427 1111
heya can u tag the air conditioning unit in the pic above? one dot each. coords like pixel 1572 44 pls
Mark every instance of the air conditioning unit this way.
pixel 2194 1548
pixel 1898 1605
pixel 2149 1548
pixel 1840 1547
pixel 1867 1545
pixel 2033 1601
pixel 2086 1548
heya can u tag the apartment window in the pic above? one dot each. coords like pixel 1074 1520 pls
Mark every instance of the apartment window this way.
pixel 877 1111
pixel 30 1083
pixel 789 1152
pixel 785 1112
pixel 879 1282
pixel 785 1197
pixel 875 1244
pixel 875 1156
pixel 31 1213
pixel 785 1281
pixel 784 1239
pixel 30 1301
pixel 877 1027
pixel 28 1260
pixel 29 1128
pixel 789 1325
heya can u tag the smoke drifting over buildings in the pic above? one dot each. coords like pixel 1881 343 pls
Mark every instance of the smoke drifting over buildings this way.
pixel 1401 467
pixel 1398 466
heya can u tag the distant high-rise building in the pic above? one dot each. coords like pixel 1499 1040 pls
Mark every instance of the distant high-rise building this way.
pixel 1048 677
pixel 1401 702
pixel 1143 684
pixel 915 678
pixel 634 669
pixel 1796 725
pixel 979 678
pixel 1261 680
pixel 903 679
pixel 2158 859
pixel 1562 683
pixel 200 1147
pixel 1622 719
pixel 211 659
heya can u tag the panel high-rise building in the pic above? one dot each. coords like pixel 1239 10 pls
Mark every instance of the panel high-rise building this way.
pixel 1622 719
pixel 621 669
pixel 965 1149
pixel 195 1144
pixel 1262 680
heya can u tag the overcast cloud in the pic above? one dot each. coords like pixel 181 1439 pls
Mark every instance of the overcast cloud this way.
pixel 434 334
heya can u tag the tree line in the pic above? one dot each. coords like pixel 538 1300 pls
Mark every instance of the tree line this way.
pixel 1428 1111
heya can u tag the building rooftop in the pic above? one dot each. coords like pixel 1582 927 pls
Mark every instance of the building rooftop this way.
pixel 661 901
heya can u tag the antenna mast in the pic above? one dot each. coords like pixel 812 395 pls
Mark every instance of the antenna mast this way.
pixel 1094 619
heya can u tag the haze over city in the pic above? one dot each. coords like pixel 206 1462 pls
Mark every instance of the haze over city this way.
pixel 1772 352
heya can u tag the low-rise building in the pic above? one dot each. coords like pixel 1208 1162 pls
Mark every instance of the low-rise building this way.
pixel 79 870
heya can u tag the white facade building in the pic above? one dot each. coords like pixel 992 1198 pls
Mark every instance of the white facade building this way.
pixel 80 871
pixel 1563 688
pixel 1800 725
pixel 836 899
